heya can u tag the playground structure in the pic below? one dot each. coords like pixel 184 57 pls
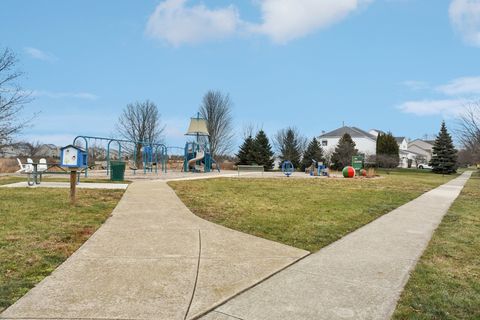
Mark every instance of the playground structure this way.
pixel 197 155
pixel 198 158
pixel 287 168
pixel 153 153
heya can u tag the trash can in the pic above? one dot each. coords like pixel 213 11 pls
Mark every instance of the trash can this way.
pixel 117 170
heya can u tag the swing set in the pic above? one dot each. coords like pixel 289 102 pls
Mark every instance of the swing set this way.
pixel 153 153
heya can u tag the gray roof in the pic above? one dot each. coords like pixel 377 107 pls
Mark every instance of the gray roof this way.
pixel 430 142
pixel 354 132
pixel 399 139
pixel 379 131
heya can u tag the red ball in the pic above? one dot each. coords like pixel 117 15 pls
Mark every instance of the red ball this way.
pixel 348 172
pixel 363 173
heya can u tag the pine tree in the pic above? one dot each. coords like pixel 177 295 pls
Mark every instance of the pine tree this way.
pixel 246 154
pixel 388 152
pixel 344 151
pixel 313 152
pixel 444 154
pixel 291 149
pixel 263 151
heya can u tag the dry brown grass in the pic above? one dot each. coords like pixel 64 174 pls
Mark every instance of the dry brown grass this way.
pixel 371 173
pixel 8 165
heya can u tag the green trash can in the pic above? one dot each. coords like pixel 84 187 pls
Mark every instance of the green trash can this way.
pixel 117 170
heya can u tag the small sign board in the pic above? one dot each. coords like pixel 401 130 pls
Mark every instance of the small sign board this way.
pixel 357 162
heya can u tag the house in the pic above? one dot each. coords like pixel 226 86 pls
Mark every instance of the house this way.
pixel 365 142
pixel 410 154
pixel 423 148
pixel 407 157
pixel 402 143
pixel 48 151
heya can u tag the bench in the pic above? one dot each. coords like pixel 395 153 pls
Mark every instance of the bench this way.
pixel 35 171
pixel 250 168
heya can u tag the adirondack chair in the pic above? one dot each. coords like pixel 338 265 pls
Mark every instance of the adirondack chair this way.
pixel 22 167
pixel 42 165
pixel 29 166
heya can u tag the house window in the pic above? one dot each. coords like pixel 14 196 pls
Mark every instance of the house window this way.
pixel 324 143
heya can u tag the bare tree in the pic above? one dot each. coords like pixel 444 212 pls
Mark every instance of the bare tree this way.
pixel 12 98
pixel 469 130
pixel 31 149
pixel 250 130
pixel 140 121
pixel 217 109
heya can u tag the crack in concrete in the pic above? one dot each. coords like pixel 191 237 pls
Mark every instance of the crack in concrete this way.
pixel 196 275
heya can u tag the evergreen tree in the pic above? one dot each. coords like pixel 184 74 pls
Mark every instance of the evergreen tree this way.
pixel 444 154
pixel 263 151
pixel 388 152
pixel 246 154
pixel 344 151
pixel 313 152
pixel 291 148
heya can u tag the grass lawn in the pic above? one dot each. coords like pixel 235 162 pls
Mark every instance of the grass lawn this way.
pixel 11 179
pixel 446 281
pixel 304 213
pixel 39 230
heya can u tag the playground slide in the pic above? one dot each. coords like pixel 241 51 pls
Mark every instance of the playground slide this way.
pixel 200 156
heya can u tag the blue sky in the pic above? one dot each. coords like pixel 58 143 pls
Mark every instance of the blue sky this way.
pixel 395 65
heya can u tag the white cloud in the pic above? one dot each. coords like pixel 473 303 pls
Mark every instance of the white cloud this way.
pixel 282 20
pixel 447 108
pixel 39 54
pixel 60 95
pixel 285 20
pixel 461 86
pixel 465 17
pixel 177 24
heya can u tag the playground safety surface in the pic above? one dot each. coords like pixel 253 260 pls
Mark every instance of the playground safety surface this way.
pixel 153 259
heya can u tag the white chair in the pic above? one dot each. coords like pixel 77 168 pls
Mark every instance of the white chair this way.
pixel 42 165
pixel 22 167
pixel 29 166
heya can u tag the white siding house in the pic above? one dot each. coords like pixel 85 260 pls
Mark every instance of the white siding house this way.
pixel 422 147
pixel 365 142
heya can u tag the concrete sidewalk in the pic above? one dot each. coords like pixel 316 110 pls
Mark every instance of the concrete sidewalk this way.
pixel 358 277
pixel 153 259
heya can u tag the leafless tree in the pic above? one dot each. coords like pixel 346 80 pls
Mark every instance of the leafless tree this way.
pixel 469 130
pixel 31 149
pixel 216 107
pixel 140 121
pixel 12 98
pixel 250 130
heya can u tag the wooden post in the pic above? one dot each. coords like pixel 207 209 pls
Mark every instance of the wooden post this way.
pixel 73 185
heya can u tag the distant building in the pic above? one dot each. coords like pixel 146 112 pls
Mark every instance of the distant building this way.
pixel 365 142
pixel 402 143
pixel 410 153
pixel 48 151
pixel 23 150
pixel 423 148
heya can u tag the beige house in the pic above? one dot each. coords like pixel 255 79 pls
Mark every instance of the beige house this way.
pixel 423 148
